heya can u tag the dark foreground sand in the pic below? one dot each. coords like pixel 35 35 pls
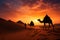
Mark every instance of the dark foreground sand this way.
pixel 32 34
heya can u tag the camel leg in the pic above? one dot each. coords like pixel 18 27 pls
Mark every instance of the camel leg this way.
pixel 44 26
pixel 48 26
pixel 52 26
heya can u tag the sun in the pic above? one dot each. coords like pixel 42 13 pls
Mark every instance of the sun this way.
pixel 36 22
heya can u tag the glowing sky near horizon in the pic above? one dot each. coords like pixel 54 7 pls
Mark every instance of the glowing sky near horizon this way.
pixel 27 10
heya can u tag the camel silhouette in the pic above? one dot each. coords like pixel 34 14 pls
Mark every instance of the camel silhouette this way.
pixel 48 20
pixel 31 23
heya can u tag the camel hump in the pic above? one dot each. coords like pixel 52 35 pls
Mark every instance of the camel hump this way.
pixel 47 19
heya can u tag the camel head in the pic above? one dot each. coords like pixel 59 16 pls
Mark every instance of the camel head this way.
pixel 39 20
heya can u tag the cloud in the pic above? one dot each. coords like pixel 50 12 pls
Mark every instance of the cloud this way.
pixel 52 1
pixel 30 2
pixel 8 8
pixel 55 4
pixel 12 5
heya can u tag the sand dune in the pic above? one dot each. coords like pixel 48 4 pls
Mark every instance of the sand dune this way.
pixel 13 31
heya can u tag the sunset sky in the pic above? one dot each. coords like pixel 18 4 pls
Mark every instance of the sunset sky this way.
pixel 27 10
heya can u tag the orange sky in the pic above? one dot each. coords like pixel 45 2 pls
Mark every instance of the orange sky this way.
pixel 30 11
pixel 32 14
